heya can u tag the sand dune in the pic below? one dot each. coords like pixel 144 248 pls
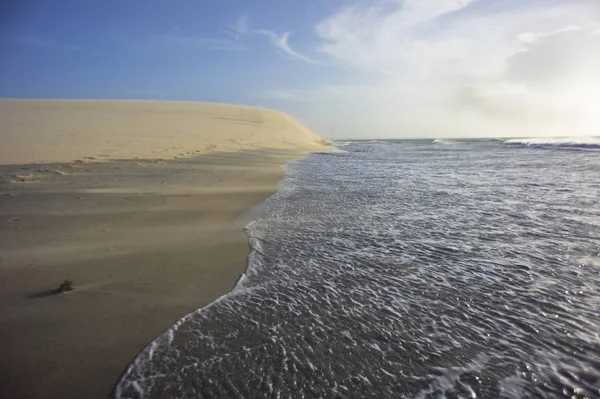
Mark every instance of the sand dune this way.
pixel 43 131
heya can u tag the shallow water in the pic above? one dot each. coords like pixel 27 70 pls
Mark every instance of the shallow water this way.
pixel 405 269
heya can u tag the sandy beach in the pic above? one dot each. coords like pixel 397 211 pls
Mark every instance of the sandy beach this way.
pixel 142 204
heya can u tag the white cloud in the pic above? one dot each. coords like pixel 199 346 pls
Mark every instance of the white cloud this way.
pixel 459 67
pixel 279 40
pixel 387 40
pixel 533 37
pixel 282 42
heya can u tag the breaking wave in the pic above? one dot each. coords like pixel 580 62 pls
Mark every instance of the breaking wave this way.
pixel 445 141
pixel 577 142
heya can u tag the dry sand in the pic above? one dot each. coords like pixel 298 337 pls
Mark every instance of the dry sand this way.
pixel 68 130
pixel 145 241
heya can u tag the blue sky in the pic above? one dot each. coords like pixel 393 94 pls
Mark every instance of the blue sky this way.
pixel 185 50
pixel 380 68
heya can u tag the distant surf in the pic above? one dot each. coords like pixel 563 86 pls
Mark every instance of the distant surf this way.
pixel 579 142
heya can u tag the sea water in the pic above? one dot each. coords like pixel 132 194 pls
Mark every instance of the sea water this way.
pixel 406 269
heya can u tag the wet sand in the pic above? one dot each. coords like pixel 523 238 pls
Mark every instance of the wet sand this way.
pixel 145 242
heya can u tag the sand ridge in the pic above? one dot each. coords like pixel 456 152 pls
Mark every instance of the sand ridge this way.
pixel 49 131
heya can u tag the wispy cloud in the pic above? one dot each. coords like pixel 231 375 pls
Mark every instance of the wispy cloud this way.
pixel 279 40
pixel 44 43
pixel 282 42
pixel 462 67
pixel 231 39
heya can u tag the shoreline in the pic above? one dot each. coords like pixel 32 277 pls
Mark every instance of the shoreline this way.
pixel 112 227
pixel 253 212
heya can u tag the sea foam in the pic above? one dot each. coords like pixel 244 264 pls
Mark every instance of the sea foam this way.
pixel 581 142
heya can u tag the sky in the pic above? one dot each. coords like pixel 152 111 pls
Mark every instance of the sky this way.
pixel 346 69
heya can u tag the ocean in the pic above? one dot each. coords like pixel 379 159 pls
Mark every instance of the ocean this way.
pixel 406 269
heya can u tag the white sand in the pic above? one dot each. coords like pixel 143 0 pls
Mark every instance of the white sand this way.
pixel 42 131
